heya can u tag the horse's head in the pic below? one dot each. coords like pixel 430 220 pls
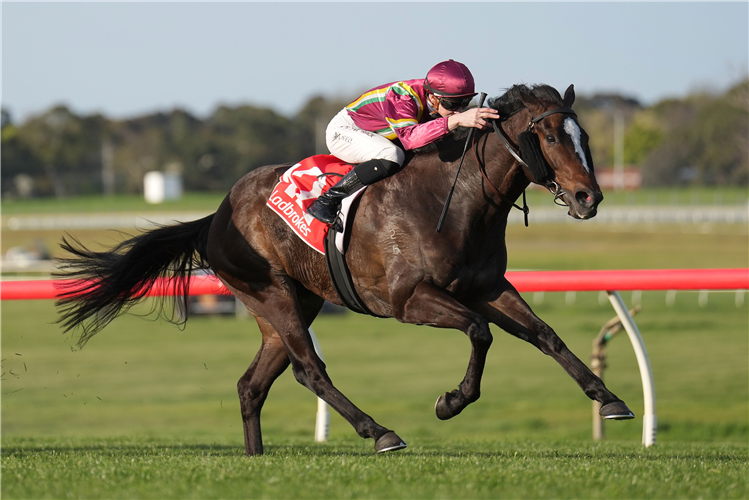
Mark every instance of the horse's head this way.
pixel 556 154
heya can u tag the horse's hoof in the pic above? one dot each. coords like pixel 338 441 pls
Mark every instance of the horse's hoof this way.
pixel 389 442
pixel 616 411
pixel 441 408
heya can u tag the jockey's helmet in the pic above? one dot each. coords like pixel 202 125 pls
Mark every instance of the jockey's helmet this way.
pixel 450 79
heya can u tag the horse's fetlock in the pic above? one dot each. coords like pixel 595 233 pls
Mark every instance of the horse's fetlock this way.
pixel 473 396
pixel 487 339
pixel 480 333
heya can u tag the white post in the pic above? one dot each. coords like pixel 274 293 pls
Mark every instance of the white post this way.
pixel 649 419
pixel 618 151
pixel 322 420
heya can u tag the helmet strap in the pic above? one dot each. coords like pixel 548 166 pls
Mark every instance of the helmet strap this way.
pixel 430 107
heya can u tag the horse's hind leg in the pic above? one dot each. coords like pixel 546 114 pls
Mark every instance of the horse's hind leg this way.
pixel 309 371
pixel 287 313
pixel 514 315
pixel 270 362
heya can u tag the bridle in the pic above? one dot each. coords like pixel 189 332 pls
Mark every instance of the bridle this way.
pixel 502 197
pixel 539 169
pixel 541 172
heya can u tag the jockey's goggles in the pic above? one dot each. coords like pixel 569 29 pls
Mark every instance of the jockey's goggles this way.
pixel 454 103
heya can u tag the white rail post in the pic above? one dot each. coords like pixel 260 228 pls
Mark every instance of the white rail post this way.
pixel 322 420
pixel 649 419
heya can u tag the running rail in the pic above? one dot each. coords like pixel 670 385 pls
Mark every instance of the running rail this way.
pixel 524 281
pixel 610 282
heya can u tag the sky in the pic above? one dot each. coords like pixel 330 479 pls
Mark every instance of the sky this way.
pixel 133 58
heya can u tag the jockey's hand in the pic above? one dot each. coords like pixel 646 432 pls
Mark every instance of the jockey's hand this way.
pixel 475 117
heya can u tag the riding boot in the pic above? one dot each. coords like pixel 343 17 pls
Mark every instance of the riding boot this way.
pixel 325 208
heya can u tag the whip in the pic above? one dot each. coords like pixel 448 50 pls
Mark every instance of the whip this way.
pixel 465 148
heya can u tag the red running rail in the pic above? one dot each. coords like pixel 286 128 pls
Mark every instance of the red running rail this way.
pixel 650 279
pixel 524 281
pixel 46 289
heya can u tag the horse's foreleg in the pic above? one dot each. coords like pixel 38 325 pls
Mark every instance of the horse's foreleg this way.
pixel 270 362
pixel 511 313
pixel 435 307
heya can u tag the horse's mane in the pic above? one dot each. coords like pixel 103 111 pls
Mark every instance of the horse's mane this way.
pixel 506 105
pixel 510 102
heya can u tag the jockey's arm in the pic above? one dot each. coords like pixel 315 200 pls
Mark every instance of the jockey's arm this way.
pixel 475 117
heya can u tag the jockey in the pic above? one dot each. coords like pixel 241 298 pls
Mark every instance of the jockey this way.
pixel 414 112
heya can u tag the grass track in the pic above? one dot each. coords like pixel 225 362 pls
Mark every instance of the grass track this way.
pixel 464 469
pixel 210 201
pixel 149 411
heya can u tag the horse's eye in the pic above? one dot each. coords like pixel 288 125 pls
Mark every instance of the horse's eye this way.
pixel 551 139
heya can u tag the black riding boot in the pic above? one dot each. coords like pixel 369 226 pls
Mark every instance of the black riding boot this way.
pixel 326 207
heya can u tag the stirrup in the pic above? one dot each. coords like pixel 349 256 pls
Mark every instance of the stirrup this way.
pixel 325 208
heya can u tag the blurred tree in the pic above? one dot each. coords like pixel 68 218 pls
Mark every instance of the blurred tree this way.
pixel 643 136
pixel 19 164
pixel 704 142
pixel 700 139
pixel 314 119
pixel 597 115
pixel 59 150
pixel 238 140
pixel 720 135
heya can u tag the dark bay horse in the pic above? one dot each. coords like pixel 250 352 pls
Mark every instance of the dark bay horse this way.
pixel 401 266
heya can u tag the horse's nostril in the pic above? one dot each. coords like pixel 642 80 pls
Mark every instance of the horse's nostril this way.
pixel 584 198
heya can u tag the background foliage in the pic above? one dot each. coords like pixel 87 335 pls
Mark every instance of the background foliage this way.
pixel 702 139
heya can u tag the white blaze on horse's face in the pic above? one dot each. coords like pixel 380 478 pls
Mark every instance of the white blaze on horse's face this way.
pixel 571 127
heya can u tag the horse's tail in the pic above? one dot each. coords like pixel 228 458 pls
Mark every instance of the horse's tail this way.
pixel 107 284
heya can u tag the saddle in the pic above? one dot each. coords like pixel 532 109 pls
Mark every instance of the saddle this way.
pixel 297 189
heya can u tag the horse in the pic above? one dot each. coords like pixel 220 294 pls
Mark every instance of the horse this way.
pixel 400 265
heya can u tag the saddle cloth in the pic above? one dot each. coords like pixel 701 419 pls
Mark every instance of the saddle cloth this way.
pixel 299 187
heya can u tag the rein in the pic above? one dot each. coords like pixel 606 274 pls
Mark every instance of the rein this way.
pixel 502 197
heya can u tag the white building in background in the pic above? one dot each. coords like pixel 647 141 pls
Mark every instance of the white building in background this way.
pixel 161 186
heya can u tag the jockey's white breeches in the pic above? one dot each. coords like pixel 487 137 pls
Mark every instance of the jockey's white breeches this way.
pixel 354 145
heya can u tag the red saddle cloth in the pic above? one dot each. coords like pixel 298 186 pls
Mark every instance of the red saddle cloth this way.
pixel 298 188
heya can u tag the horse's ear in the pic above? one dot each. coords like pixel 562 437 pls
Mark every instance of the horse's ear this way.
pixel 569 96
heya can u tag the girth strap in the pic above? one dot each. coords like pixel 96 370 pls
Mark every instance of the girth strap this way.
pixel 341 277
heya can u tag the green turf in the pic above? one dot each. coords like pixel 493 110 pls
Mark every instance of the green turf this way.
pixel 537 197
pixel 207 202
pixel 126 468
pixel 579 246
pixel 149 411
